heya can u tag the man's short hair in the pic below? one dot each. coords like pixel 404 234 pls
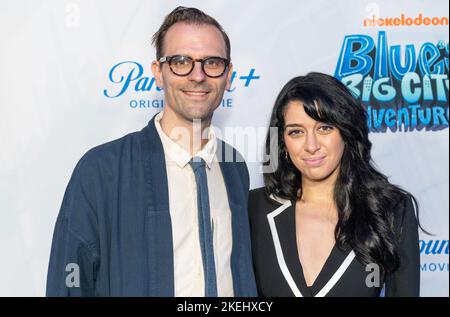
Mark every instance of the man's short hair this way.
pixel 189 16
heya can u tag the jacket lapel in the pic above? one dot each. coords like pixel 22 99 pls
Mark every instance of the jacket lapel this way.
pixel 283 229
pixel 241 257
pixel 158 223
pixel 285 226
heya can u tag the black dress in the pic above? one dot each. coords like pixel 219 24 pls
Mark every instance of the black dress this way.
pixel 279 272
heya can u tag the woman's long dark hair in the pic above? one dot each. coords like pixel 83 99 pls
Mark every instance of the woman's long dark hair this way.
pixel 363 196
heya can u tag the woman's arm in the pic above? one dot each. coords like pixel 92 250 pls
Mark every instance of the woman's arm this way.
pixel 406 280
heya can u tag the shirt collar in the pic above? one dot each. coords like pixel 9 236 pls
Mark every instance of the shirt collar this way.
pixel 178 154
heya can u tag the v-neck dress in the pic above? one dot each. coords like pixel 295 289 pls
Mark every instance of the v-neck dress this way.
pixel 279 272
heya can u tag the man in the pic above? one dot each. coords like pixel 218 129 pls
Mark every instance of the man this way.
pixel 160 212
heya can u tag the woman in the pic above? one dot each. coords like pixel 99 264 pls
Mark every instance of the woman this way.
pixel 327 223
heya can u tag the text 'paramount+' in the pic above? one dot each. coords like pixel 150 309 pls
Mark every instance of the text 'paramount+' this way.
pixel 130 76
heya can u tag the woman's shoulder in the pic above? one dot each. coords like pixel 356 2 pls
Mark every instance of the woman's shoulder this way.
pixel 261 202
pixel 406 212
pixel 259 192
pixel 404 203
pixel 257 197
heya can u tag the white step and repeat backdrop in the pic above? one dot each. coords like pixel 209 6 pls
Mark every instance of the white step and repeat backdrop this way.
pixel 75 74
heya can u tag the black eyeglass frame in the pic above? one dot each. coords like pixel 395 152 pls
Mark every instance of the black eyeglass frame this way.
pixel 168 59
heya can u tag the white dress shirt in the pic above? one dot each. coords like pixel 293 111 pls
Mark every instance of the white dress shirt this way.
pixel 188 265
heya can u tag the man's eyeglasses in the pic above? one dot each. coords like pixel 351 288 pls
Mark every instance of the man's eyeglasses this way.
pixel 183 65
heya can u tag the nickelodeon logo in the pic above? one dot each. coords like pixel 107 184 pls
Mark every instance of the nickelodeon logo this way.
pixel 404 20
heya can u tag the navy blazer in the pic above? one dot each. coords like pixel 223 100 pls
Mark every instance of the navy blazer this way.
pixel 115 226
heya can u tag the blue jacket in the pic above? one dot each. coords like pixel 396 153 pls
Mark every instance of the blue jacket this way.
pixel 114 223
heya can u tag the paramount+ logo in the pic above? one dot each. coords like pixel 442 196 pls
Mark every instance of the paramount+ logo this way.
pixel 134 82
pixel 433 249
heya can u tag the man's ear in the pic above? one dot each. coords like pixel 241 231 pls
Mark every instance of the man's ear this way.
pixel 229 74
pixel 157 72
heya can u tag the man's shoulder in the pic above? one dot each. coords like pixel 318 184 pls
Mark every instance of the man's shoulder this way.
pixel 112 147
pixel 108 155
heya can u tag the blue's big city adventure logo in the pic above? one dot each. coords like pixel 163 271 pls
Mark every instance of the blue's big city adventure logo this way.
pixel 403 88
